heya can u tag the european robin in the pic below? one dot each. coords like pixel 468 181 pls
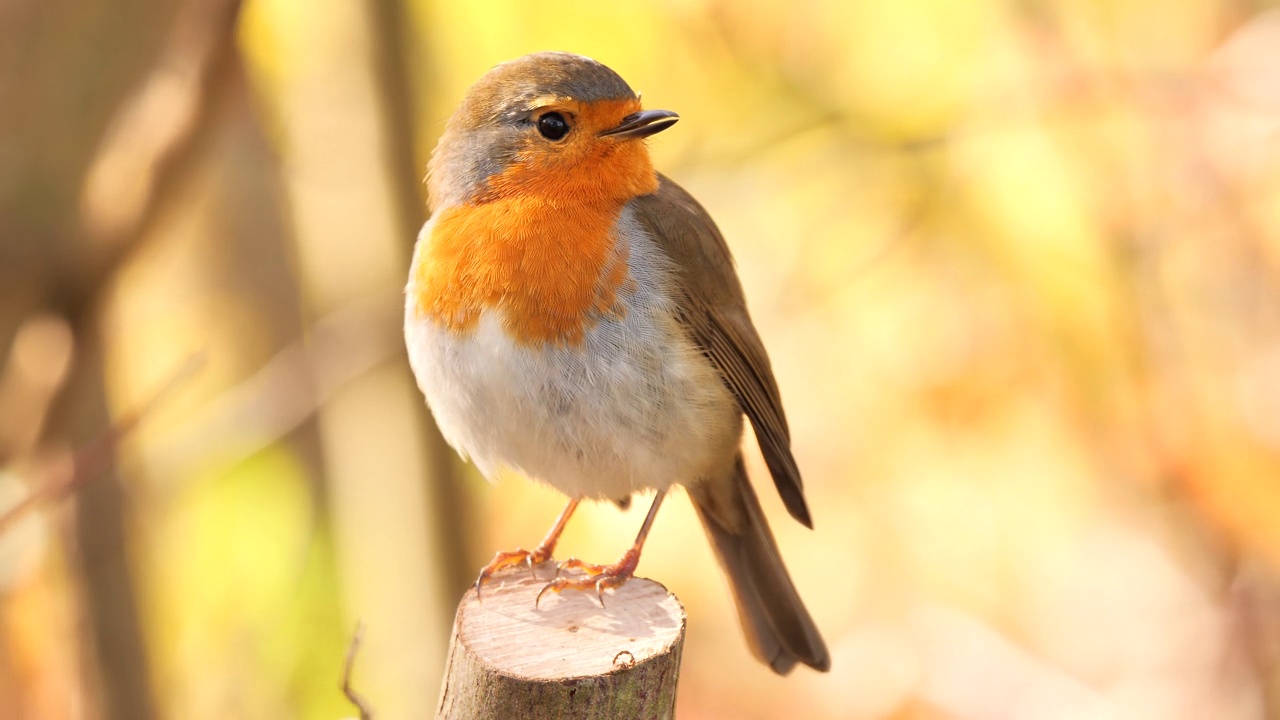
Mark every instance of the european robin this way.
pixel 573 315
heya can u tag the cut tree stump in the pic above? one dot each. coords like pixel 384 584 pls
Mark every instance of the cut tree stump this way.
pixel 567 659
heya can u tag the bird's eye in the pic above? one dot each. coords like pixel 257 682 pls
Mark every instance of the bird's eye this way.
pixel 553 126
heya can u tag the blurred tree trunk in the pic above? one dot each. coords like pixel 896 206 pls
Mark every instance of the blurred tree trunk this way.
pixel 396 90
pixel 123 669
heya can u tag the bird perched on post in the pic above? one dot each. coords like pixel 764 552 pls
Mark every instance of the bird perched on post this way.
pixel 573 315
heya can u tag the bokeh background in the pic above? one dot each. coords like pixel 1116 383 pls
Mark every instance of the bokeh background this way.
pixel 1017 265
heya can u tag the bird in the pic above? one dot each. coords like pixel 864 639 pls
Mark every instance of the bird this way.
pixel 574 316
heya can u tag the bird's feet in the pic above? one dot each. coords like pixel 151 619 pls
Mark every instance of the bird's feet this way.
pixel 597 577
pixel 530 559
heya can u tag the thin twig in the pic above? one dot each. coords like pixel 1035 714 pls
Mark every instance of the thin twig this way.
pixel 354 697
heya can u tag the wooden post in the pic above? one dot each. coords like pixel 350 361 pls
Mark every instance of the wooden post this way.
pixel 568 659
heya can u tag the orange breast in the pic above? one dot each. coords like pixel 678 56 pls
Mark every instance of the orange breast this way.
pixel 549 270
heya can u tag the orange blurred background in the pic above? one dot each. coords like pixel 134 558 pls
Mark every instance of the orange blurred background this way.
pixel 1017 265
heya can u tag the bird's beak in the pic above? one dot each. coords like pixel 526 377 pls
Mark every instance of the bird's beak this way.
pixel 642 124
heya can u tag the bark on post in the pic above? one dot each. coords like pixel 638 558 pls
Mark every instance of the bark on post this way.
pixel 568 659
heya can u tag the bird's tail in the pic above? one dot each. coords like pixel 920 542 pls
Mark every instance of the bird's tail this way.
pixel 777 625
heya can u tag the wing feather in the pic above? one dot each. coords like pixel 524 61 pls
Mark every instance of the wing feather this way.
pixel 714 311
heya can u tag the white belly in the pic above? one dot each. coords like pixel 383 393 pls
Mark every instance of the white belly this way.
pixel 634 406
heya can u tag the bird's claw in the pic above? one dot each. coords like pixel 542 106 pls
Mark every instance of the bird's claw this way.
pixel 509 558
pixel 597 577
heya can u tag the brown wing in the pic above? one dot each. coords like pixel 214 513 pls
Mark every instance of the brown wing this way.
pixel 715 314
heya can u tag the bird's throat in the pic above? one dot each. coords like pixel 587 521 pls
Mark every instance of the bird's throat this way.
pixel 549 270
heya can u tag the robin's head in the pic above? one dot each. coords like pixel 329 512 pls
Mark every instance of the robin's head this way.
pixel 553 125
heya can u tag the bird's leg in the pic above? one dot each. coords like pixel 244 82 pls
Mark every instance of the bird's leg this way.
pixel 602 577
pixel 539 555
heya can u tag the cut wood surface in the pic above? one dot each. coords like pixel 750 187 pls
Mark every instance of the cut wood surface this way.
pixel 566 658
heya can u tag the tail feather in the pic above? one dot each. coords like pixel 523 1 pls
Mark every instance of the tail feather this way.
pixel 777 626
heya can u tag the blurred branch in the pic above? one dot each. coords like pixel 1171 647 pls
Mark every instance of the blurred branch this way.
pixel 1254 631
pixel 289 388
pixel 154 132
pixel 57 480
